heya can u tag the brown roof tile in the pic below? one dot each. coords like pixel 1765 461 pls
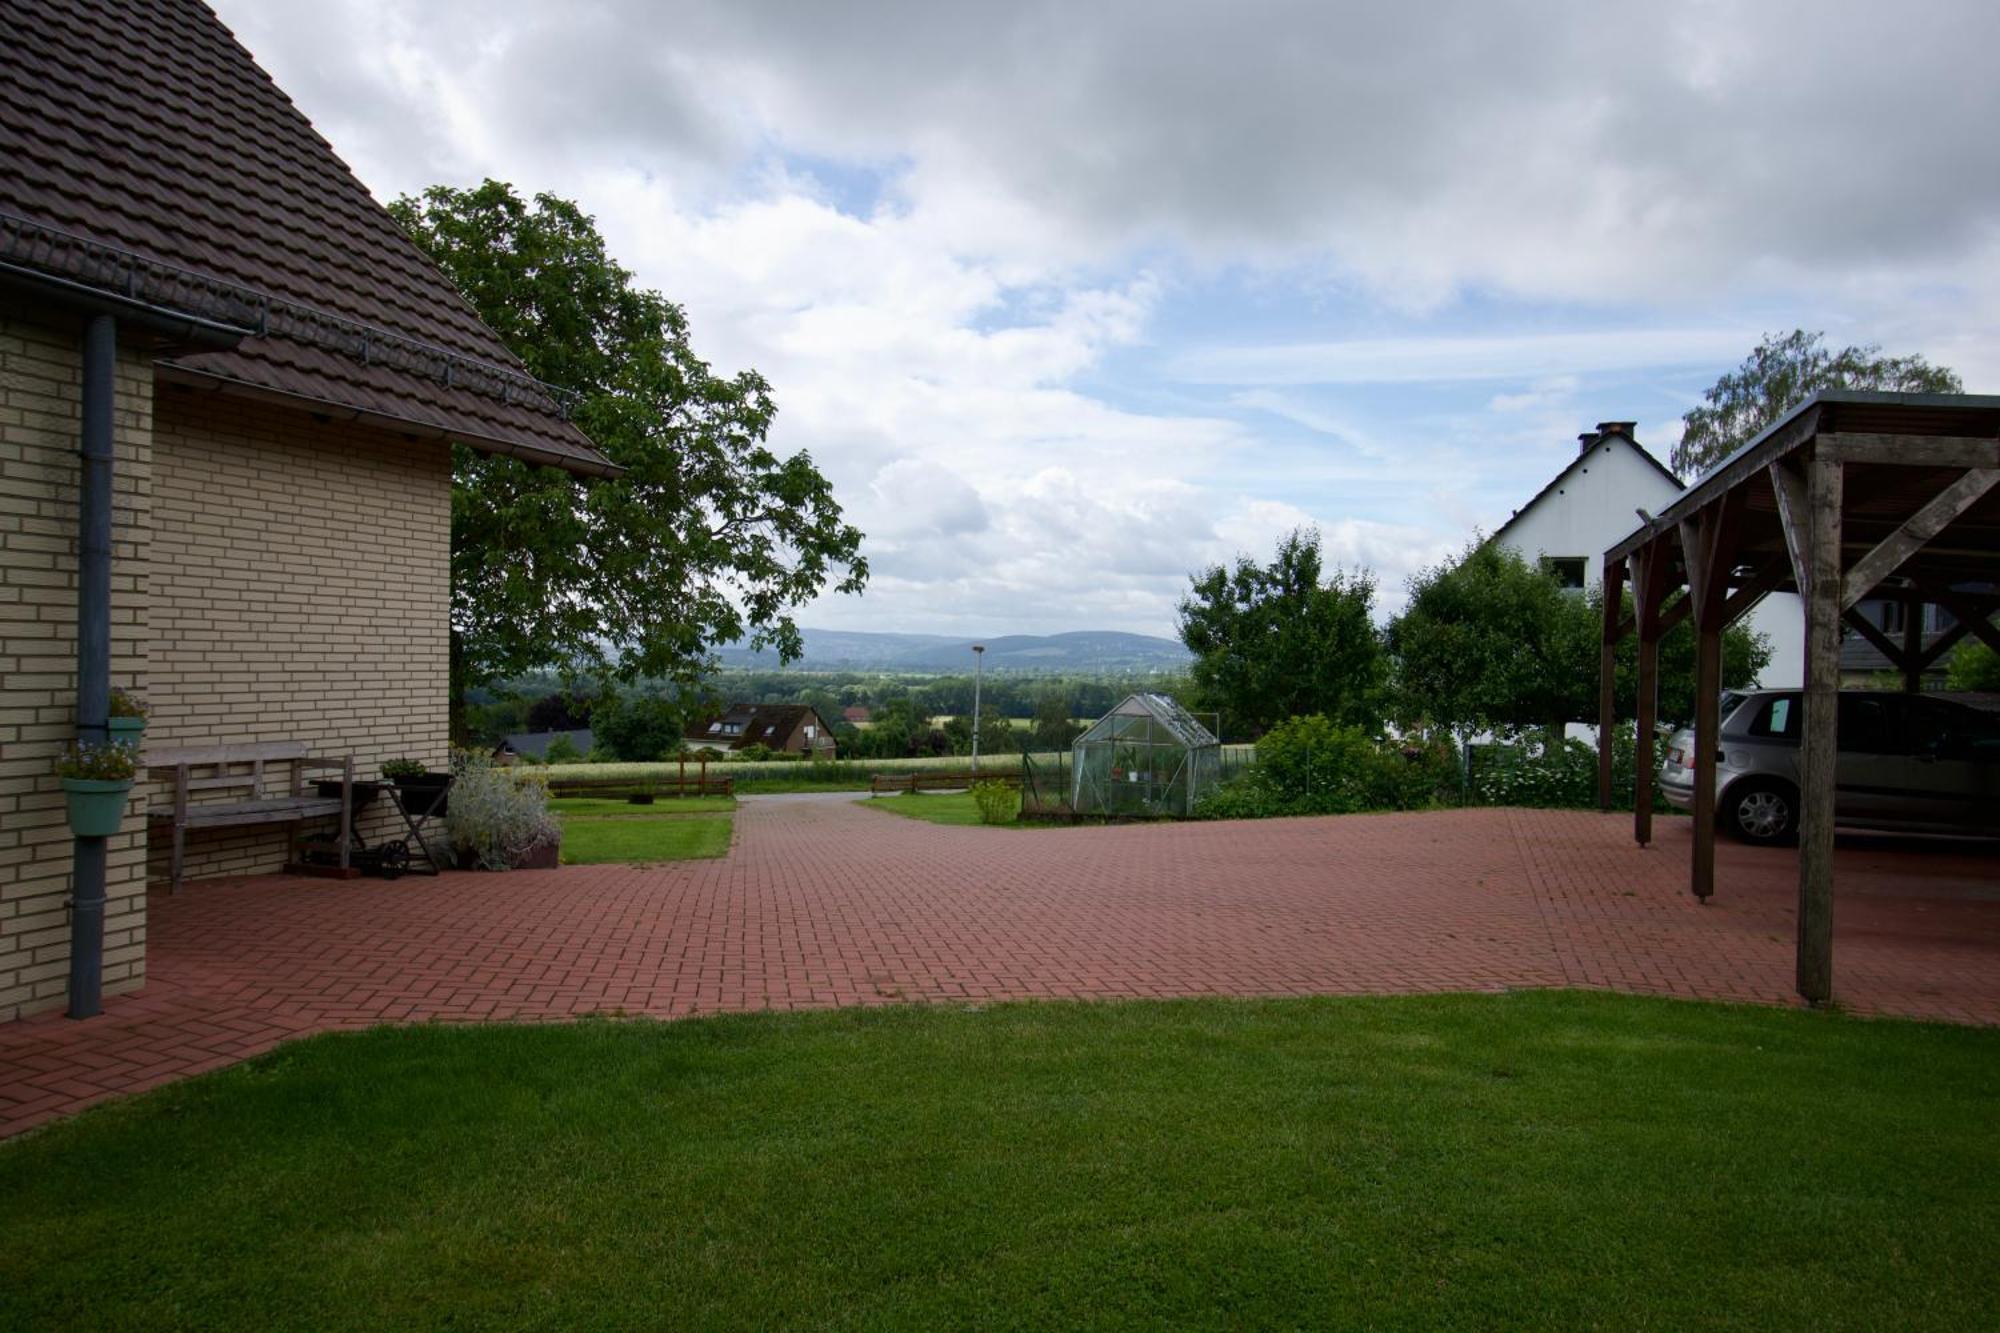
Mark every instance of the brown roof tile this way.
pixel 147 128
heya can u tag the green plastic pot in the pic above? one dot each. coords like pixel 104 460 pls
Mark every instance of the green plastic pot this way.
pixel 96 805
pixel 125 730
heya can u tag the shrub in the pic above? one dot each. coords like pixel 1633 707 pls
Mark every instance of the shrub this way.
pixel 999 802
pixel 755 753
pixel 112 762
pixel 1309 766
pixel 496 815
pixel 403 768
pixel 562 750
pixel 1555 776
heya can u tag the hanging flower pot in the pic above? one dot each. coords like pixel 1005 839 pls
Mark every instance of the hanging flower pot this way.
pixel 96 805
pixel 128 718
pixel 96 780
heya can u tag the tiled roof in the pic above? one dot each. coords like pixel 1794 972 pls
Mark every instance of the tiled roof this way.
pixel 759 724
pixel 147 128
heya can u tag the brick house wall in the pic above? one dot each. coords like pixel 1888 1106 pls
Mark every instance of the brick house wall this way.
pixel 276 576
pixel 41 374
pixel 311 604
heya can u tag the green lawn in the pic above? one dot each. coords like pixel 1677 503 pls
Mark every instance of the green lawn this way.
pixel 664 831
pixel 664 806
pixel 934 807
pixel 1528 1160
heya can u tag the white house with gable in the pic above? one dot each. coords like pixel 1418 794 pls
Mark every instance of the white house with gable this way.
pixel 1594 502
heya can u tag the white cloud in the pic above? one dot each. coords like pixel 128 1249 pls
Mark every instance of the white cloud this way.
pixel 1543 356
pixel 960 239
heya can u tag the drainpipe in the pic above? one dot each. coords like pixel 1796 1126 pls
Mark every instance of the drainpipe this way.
pixel 93 652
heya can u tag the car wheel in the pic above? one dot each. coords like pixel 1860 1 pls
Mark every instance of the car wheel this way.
pixel 1762 812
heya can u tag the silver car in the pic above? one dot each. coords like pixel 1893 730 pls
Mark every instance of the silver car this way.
pixel 1907 761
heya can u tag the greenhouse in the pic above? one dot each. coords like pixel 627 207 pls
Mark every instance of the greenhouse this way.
pixel 1147 756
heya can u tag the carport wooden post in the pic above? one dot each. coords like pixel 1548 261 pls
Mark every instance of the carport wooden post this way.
pixel 1607 676
pixel 1646 562
pixel 1818 749
pixel 1708 550
pixel 1913 641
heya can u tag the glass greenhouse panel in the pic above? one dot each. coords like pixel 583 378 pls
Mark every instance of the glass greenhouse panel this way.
pixel 1148 757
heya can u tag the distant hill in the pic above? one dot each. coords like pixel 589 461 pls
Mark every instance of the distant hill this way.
pixel 1080 650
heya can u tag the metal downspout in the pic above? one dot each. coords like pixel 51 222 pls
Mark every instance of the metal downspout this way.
pixel 93 651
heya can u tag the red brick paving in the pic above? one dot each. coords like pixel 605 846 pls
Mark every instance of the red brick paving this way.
pixel 823 903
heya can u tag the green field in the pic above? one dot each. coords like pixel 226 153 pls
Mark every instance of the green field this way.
pixel 597 831
pixel 1532 1160
pixel 779 775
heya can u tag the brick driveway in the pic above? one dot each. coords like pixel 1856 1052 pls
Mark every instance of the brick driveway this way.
pixel 824 903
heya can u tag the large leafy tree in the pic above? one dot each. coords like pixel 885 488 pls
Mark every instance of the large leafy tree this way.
pixel 708 537
pixel 1783 371
pixel 1489 642
pixel 1284 640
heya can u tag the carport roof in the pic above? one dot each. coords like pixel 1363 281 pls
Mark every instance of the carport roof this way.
pixel 1877 499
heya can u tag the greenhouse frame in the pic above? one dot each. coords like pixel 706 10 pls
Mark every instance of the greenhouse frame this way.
pixel 1147 757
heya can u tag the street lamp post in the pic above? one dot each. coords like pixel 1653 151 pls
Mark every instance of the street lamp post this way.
pixel 978 668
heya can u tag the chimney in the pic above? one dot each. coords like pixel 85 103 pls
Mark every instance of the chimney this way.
pixel 1624 428
pixel 1588 440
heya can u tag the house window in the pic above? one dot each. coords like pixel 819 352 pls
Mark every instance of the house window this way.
pixel 1891 619
pixel 1566 569
pixel 811 731
pixel 714 727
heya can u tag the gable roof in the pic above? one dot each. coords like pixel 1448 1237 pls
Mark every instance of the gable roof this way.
pixel 1588 441
pixel 766 724
pixel 1161 709
pixel 537 743
pixel 148 157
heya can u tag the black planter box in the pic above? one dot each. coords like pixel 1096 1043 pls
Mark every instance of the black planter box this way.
pixel 424 793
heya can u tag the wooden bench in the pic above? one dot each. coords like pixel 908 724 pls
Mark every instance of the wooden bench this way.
pixel 219 768
pixel 879 783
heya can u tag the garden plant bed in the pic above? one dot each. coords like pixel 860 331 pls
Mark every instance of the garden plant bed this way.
pixel 1537 1159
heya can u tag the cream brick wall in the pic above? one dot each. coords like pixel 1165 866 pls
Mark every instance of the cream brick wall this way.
pixel 40 417
pixel 300 590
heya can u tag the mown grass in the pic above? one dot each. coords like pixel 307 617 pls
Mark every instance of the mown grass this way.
pixel 662 807
pixel 641 833
pixel 955 808
pixel 1529 1160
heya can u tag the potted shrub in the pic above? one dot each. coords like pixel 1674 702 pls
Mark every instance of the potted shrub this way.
pixel 424 792
pixel 96 780
pixel 500 821
pixel 128 717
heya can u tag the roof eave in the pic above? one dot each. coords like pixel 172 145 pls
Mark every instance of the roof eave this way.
pixel 526 450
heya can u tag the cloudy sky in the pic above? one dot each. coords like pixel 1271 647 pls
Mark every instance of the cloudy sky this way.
pixel 1069 299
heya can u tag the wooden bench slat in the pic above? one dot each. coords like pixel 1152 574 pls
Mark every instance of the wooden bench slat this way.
pixel 199 756
pixel 224 781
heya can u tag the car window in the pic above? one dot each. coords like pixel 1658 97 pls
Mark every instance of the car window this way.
pixel 1937 727
pixel 1778 716
pixel 1870 724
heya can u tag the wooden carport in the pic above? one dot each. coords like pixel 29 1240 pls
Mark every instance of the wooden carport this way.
pixel 1851 495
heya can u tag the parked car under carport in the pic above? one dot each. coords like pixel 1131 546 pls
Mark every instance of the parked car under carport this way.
pixel 1914 763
